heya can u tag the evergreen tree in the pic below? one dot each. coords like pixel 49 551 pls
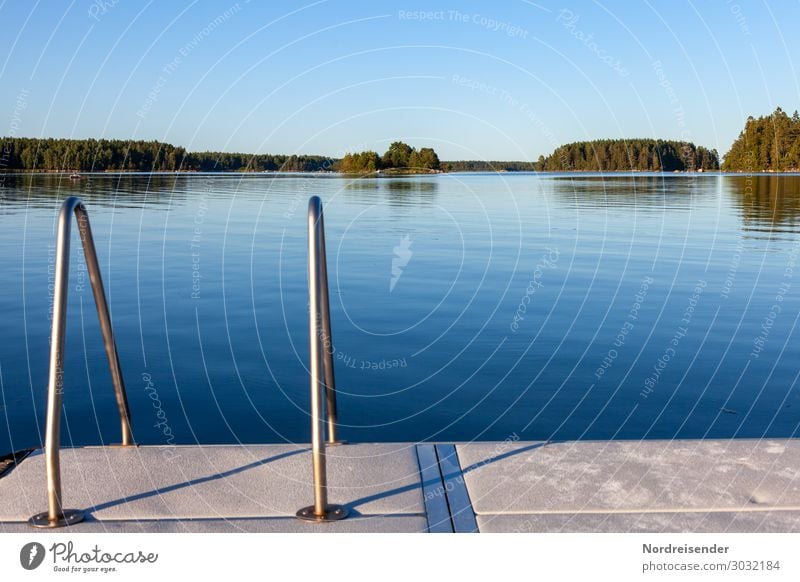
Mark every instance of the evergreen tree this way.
pixel 770 143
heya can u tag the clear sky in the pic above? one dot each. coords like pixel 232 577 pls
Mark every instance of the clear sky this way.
pixel 503 80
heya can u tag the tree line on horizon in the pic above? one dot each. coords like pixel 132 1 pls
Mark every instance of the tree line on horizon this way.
pixel 91 155
pixel 487 166
pixel 103 155
pixel 768 143
pixel 613 155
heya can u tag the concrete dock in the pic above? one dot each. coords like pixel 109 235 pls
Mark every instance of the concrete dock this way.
pixel 587 486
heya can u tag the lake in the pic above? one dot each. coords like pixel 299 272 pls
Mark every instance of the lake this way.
pixel 464 306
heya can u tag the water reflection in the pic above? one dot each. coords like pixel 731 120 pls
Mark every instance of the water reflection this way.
pixel 648 193
pixel 410 185
pixel 209 298
pixel 22 192
pixel 394 191
pixel 765 201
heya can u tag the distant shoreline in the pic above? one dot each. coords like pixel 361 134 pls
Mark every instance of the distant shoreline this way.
pixel 60 155
pixel 384 174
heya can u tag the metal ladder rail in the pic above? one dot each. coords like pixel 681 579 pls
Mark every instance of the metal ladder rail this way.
pixel 321 356
pixel 324 318
pixel 56 515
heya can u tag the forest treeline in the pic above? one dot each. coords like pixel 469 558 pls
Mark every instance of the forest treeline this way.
pixel 484 166
pixel 612 155
pixel 766 144
pixel 769 143
pixel 103 155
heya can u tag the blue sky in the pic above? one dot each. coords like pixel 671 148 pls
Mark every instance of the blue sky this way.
pixel 475 80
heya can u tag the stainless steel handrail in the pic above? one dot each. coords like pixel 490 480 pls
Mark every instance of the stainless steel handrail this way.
pixel 325 324
pixel 56 515
pixel 319 331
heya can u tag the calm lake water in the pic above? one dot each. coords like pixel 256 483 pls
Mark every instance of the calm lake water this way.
pixel 465 306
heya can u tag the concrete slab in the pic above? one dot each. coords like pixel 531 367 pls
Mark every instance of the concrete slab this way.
pixel 357 524
pixel 616 486
pixel 674 522
pixel 216 482
pixel 632 476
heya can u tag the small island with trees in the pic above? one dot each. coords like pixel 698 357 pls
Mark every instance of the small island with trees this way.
pixel 766 144
pixel 400 158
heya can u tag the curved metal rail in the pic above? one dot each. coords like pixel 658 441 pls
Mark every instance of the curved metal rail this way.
pixel 56 515
pixel 321 356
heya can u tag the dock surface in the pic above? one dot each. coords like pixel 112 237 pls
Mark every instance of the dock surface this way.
pixel 587 486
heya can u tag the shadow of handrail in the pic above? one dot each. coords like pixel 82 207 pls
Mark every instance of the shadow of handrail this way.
pixel 452 475
pixel 505 455
pixel 354 504
pixel 197 481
